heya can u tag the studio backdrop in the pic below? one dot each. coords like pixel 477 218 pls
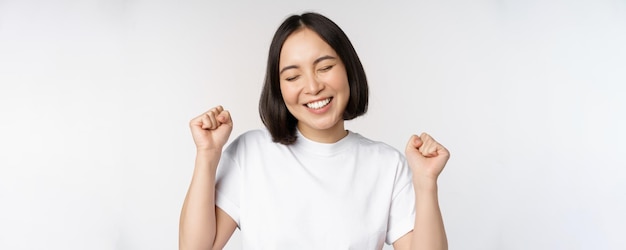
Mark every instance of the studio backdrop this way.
pixel 529 97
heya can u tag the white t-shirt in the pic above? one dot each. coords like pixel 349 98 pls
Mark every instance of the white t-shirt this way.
pixel 352 194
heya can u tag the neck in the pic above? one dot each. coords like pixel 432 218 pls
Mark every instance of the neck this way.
pixel 330 135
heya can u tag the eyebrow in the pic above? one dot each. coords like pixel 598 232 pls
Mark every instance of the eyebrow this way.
pixel 327 57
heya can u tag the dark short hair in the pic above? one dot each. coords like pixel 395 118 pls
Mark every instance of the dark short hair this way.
pixel 274 113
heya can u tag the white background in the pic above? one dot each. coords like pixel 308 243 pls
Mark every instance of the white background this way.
pixel 529 96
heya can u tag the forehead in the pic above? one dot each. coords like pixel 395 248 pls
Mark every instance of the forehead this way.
pixel 304 46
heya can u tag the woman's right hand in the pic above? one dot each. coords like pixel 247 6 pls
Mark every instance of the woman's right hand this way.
pixel 211 130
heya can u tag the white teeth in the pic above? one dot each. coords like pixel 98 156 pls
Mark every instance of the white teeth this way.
pixel 318 104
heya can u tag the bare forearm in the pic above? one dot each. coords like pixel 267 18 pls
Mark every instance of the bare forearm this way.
pixel 197 220
pixel 429 232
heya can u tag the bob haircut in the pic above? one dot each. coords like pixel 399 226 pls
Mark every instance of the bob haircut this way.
pixel 274 113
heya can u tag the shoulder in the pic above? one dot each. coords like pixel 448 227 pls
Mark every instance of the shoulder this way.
pixel 250 138
pixel 377 148
pixel 252 147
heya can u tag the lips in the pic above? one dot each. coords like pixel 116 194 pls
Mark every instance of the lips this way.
pixel 319 104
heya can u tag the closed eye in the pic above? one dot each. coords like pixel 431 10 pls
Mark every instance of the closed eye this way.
pixel 327 68
pixel 292 78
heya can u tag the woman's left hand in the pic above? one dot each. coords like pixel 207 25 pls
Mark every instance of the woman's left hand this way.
pixel 426 157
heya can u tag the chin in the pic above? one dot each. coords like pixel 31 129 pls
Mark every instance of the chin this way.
pixel 325 125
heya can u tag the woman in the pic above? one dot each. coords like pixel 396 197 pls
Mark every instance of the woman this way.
pixel 306 182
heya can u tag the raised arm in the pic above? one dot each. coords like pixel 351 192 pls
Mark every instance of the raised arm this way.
pixel 202 225
pixel 427 158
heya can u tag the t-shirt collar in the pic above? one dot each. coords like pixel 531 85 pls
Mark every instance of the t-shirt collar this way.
pixel 306 144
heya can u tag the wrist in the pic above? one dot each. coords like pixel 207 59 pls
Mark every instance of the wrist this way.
pixel 424 184
pixel 208 151
pixel 207 160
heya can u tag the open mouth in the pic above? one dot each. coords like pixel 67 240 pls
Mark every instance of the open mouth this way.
pixel 319 104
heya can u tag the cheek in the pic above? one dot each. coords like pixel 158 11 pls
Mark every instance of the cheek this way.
pixel 340 81
pixel 289 95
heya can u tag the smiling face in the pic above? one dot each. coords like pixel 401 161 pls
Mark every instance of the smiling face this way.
pixel 314 85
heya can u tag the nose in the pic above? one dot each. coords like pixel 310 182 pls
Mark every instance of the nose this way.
pixel 314 86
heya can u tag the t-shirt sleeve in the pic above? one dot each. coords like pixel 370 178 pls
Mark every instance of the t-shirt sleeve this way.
pixel 402 210
pixel 228 184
